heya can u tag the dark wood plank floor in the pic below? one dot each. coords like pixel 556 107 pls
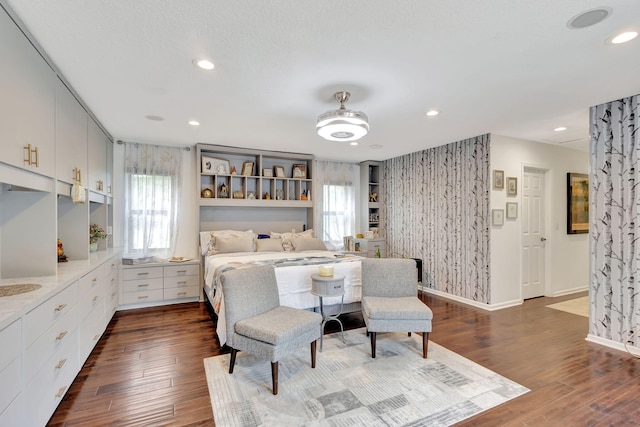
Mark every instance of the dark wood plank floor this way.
pixel 147 369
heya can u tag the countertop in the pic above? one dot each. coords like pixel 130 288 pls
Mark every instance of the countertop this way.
pixel 14 307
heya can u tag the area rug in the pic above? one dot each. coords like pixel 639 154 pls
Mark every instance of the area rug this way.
pixel 579 306
pixel 348 387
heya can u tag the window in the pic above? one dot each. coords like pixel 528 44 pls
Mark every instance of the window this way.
pixel 338 216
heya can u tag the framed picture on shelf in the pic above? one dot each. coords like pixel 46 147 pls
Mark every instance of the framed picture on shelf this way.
pixel 498 179
pixel 512 186
pixel 247 169
pixel 299 171
pixel 512 210
pixel 215 166
pixel 279 171
pixel 497 217
pixel 577 203
pixel 266 172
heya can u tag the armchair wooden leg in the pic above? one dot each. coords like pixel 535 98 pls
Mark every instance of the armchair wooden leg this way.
pixel 425 344
pixel 232 362
pixel 409 333
pixel 274 376
pixel 373 344
pixel 313 353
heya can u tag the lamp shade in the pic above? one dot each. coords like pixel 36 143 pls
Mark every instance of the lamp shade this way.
pixel 342 124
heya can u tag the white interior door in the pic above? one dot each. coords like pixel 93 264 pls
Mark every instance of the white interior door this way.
pixel 533 237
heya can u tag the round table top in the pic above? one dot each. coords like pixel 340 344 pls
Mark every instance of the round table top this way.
pixel 333 278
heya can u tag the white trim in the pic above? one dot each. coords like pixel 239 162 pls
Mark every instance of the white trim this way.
pixel 489 307
pixel 613 344
pixel 570 291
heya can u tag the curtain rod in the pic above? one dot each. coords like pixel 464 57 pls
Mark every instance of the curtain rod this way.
pixel 120 142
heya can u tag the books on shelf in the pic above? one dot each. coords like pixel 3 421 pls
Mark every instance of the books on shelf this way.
pixel 349 243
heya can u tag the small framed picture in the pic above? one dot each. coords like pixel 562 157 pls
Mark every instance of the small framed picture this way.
pixel 498 179
pixel 299 171
pixel 279 171
pixel 497 217
pixel 266 172
pixel 512 210
pixel 247 169
pixel 215 166
pixel 512 186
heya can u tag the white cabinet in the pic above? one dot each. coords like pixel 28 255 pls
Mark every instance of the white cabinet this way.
pixel 10 368
pixel 372 190
pixel 70 137
pixel 98 143
pixel 27 104
pixel 372 248
pixel 160 283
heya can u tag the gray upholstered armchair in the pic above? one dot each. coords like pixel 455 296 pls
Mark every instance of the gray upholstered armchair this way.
pixel 258 324
pixel 390 302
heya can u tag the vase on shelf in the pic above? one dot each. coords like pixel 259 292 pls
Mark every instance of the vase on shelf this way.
pixel 93 247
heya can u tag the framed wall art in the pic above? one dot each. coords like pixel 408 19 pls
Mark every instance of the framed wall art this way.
pixel 247 168
pixel 279 171
pixel 577 203
pixel 299 171
pixel 498 179
pixel 512 210
pixel 512 186
pixel 266 172
pixel 497 217
pixel 215 166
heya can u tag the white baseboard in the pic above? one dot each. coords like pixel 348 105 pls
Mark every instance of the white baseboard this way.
pixel 613 344
pixel 489 307
pixel 569 291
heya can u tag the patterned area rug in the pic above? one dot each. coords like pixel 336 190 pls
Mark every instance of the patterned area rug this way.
pixel 579 306
pixel 348 387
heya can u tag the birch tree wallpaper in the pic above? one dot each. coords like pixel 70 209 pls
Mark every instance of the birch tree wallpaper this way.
pixel 437 209
pixel 615 221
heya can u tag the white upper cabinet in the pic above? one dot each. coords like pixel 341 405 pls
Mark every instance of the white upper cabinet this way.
pixel 71 137
pixel 27 103
pixel 98 144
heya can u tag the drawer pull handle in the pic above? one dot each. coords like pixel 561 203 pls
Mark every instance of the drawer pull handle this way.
pixel 112 280
pixel 181 271
pixel 182 293
pixel 113 294
pixel 61 391
pixel 143 297
pixel 142 286
pixel 61 363
pixel 95 298
pixel 27 148
pixel 61 335
pixel 184 282
pixel 142 274
pixel 95 337
pixel 95 279
pixel 60 307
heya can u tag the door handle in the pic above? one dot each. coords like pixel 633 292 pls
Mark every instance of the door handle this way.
pixel 543 239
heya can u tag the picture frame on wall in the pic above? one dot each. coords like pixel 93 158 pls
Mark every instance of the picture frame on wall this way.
pixel 215 166
pixel 577 203
pixel 512 210
pixel 512 186
pixel 279 171
pixel 247 169
pixel 267 173
pixel 497 217
pixel 498 179
pixel 299 171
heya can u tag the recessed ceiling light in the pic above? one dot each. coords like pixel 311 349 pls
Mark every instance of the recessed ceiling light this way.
pixel 432 113
pixel 560 129
pixel 588 18
pixel 155 118
pixel 353 143
pixel 624 37
pixel 194 123
pixel 205 64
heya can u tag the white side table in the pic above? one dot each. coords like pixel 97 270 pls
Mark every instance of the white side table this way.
pixel 328 286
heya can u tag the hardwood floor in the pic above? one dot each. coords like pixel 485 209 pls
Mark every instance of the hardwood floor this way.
pixel 147 369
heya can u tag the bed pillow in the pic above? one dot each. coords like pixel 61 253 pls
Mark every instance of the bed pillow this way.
pixel 208 239
pixel 230 244
pixel 269 245
pixel 286 238
pixel 308 244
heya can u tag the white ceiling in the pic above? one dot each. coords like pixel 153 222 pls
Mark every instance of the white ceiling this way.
pixel 509 67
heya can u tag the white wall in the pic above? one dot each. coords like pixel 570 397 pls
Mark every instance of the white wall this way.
pixel 567 255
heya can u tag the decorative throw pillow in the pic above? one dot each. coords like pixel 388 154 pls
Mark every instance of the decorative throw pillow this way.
pixel 308 244
pixel 269 245
pixel 286 238
pixel 230 244
pixel 208 239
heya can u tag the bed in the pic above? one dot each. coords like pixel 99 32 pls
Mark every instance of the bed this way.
pixel 293 267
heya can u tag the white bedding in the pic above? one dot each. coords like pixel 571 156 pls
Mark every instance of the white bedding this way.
pixel 294 281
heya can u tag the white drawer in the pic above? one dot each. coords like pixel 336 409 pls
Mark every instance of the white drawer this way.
pixel 57 336
pixel 142 296
pixel 111 266
pixel 91 281
pixel 40 318
pixel 142 285
pixel 90 302
pixel 91 330
pixel 181 282
pixel 177 293
pixel 141 273
pixel 50 383
pixel 11 384
pixel 181 270
pixel 374 245
pixel 12 416
pixel 10 345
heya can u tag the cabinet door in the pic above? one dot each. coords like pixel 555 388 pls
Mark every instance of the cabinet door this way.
pixel 97 159
pixel 27 85
pixel 71 136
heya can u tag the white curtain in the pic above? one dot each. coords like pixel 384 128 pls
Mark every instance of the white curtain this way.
pixel 336 185
pixel 153 179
